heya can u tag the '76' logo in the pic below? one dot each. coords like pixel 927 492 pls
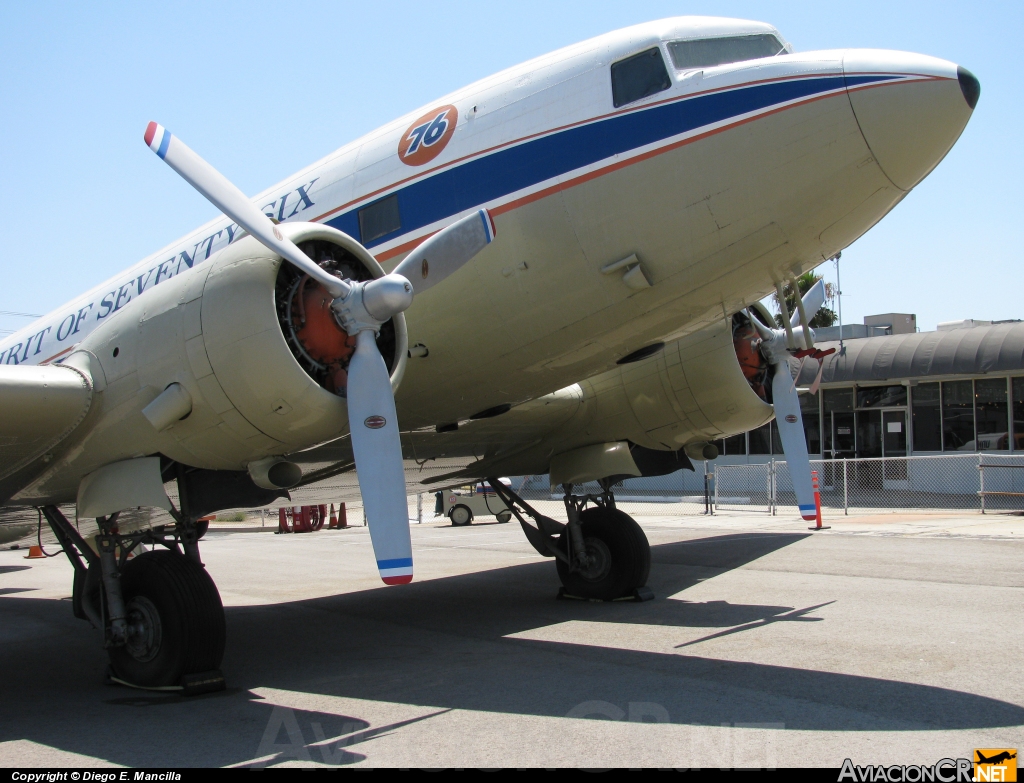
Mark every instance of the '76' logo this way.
pixel 428 135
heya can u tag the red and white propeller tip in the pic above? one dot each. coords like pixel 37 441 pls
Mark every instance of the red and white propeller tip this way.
pixel 223 194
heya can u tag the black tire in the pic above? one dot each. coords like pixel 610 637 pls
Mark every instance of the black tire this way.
pixel 460 515
pixel 187 636
pixel 504 516
pixel 622 551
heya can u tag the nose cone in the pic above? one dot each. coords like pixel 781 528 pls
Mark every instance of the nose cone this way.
pixel 910 108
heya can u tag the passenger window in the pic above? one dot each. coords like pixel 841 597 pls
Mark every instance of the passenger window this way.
pixel 379 219
pixel 709 52
pixel 638 76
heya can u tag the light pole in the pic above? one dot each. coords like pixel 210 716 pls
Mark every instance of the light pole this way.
pixel 839 296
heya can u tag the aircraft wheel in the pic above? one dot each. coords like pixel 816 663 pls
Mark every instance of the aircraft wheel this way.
pixel 460 515
pixel 620 557
pixel 504 516
pixel 175 621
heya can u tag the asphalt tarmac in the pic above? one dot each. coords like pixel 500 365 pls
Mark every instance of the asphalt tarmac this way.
pixel 885 640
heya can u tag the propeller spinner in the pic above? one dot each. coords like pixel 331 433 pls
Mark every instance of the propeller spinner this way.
pixel 362 308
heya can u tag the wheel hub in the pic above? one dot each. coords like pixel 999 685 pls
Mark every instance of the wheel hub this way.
pixel 144 629
pixel 597 561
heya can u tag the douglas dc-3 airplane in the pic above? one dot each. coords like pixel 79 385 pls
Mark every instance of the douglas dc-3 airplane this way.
pixel 599 223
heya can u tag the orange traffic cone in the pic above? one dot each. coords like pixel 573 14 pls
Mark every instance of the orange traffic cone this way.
pixel 342 516
pixel 817 503
pixel 35 553
pixel 333 523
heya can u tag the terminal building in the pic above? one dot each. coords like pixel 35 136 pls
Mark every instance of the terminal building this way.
pixel 891 391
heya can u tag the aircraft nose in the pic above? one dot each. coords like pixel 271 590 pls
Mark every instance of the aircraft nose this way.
pixel 969 86
pixel 911 108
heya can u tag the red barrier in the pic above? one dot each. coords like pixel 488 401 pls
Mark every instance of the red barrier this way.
pixel 282 521
pixel 306 519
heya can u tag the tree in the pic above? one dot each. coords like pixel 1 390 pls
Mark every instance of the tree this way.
pixel 826 316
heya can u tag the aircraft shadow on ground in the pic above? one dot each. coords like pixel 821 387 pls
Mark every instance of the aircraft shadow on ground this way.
pixel 443 644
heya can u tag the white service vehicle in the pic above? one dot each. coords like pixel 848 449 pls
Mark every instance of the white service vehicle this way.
pixel 463 504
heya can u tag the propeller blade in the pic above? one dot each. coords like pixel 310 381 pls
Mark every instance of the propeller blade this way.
pixel 222 193
pixel 377 448
pixel 791 433
pixel 817 378
pixel 447 251
pixel 813 300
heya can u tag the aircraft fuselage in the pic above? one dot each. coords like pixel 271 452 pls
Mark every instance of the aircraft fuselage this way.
pixel 730 178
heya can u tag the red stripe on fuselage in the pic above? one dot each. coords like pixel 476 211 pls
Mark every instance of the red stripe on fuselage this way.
pixel 591 175
pixel 598 118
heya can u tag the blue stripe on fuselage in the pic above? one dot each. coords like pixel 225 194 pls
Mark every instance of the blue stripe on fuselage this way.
pixel 481 180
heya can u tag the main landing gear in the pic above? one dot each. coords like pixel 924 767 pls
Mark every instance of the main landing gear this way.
pixel 160 612
pixel 601 553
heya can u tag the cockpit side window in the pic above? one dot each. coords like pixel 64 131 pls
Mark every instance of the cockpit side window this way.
pixel 638 76
pixel 709 52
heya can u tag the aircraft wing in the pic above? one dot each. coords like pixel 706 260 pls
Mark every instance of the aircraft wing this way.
pixel 41 405
pixel 432 457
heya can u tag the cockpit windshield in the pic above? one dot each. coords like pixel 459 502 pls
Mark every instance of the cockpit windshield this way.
pixel 709 52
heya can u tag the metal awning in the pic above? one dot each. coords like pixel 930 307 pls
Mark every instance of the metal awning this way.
pixel 998 348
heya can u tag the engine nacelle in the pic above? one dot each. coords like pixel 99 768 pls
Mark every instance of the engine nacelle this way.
pixel 692 392
pixel 641 418
pixel 251 342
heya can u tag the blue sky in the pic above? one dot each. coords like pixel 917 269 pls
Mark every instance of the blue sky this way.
pixel 262 89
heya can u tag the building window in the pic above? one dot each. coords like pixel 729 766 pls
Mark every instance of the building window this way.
pixel 379 219
pixel 1018 413
pixel 838 400
pixel 638 76
pixel 991 414
pixel 958 416
pixel 761 439
pixel 927 415
pixel 736 445
pixel 881 396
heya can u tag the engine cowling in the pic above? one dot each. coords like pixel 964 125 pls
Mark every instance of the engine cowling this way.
pixel 247 341
pixel 699 388
pixel 641 417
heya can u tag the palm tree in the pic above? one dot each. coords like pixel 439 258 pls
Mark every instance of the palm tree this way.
pixel 826 316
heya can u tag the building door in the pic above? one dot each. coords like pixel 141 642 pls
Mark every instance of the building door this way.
pixel 839 444
pixel 843 440
pixel 869 433
pixel 894 444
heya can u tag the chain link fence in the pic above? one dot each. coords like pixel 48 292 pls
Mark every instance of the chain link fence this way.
pixel 984 482
pixel 980 482
pixel 678 494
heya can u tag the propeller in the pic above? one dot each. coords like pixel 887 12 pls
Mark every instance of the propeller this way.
pixel 788 418
pixel 446 251
pixel 362 308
